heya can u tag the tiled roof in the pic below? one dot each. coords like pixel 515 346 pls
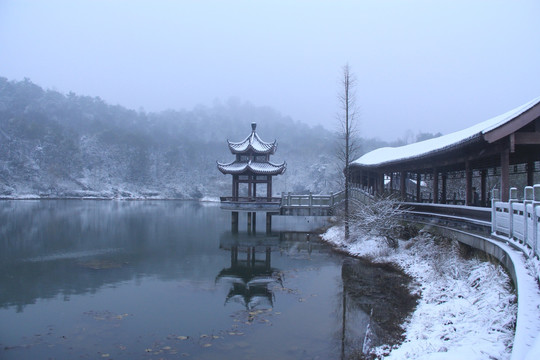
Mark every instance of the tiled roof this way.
pixel 258 168
pixel 252 143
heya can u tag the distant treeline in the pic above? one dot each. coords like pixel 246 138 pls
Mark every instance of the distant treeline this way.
pixel 57 145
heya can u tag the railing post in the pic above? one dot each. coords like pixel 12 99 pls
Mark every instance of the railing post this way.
pixel 494 198
pixel 527 199
pixel 512 199
pixel 536 202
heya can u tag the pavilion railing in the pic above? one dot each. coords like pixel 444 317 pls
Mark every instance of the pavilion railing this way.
pixel 519 220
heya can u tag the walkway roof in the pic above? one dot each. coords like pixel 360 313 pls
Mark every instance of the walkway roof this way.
pixel 487 131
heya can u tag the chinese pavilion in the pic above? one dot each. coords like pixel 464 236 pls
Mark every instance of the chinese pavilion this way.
pixel 252 166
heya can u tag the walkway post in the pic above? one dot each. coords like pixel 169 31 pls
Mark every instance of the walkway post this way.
pixel 505 175
pixel 435 186
pixel 403 185
pixel 483 186
pixel 468 184
pixel 418 182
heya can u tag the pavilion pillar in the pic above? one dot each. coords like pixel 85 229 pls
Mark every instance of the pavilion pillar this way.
pixel 249 221
pixel 250 185
pixel 530 173
pixel 254 188
pixel 483 187
pixel 418 182
pixel 444 177
pixel 268 223
pixel 269 187
pixel 403 185
pixel 435 186
pixel 391 183
pixel 235 188
pixel 468 184
pixel 505 175
pixel 234 221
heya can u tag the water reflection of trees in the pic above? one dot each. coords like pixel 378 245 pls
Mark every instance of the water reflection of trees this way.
pixel 374 303
pixel 71 247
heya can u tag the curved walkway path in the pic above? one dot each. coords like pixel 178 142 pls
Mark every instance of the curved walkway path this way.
pixel 514 256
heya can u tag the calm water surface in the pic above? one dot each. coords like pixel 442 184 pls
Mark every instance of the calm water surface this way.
pixel 168 279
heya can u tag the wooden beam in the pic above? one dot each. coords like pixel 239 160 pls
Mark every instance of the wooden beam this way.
pixel 527 138
pixel 513 125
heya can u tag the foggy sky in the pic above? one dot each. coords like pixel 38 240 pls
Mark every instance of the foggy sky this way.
pixel 433 66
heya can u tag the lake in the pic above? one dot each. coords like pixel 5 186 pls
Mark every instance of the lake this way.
pixel 92 279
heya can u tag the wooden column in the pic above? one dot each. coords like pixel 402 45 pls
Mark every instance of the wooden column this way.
pixel 391 183
pixel 505 176
pixel 444 176
pixel 483 187
pixel 234 221
pixel 530 173
pixel 468 184
pixel 380 178
pixel 435 186
pixel 418 188
pixel 403 185
pixel 269 187
pixel 268 223
pixel 235 188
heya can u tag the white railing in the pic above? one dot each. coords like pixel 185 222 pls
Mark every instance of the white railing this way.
pixel 313 201
pixel 517 219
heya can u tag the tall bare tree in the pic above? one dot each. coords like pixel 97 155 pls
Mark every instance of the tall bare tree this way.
pixel 347 133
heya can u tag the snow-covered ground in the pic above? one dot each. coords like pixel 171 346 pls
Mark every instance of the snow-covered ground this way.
pixel 467 307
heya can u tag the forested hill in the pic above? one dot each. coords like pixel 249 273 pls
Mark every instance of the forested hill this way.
pixel 57 145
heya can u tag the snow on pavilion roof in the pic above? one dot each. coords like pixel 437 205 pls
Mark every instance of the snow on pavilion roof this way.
pixel 252 143
pixel 258 168
pixel 387 155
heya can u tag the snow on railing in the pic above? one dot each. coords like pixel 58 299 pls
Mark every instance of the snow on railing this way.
pixel 518 219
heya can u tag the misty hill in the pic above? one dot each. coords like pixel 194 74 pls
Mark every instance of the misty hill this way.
pixel 56 145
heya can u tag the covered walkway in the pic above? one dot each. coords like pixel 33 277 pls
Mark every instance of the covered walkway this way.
pixel 461 167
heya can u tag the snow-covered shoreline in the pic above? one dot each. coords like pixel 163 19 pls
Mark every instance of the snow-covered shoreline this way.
pixel 467 307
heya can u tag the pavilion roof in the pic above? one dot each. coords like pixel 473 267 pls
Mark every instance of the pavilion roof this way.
pixel 258 168
pixel 253 143
pixel 480 131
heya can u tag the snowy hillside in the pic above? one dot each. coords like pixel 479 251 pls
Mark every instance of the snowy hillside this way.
pixel 56 145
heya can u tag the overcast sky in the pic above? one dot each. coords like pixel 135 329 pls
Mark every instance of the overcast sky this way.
pixel 433 66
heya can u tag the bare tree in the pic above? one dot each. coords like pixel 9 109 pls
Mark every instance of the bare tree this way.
pixel 381 217
pixel 347 134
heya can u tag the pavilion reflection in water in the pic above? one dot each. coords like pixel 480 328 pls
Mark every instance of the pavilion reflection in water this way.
pixel 251 273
